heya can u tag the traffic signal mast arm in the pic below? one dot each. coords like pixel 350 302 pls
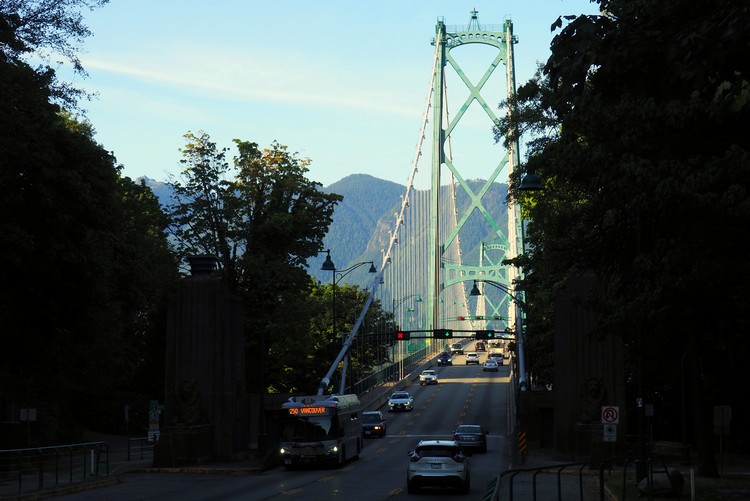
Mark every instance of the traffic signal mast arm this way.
pixel 451 333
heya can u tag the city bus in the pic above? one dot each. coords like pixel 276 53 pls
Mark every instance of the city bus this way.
pixel 320 429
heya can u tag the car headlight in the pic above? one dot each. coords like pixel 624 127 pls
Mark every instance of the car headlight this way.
pixel 283 451
pixel 332 449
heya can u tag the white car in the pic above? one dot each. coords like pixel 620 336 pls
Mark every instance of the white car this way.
pixel 472 358
pixel 428 376
pixel 400 401
pixel 496 356
pixel 438 463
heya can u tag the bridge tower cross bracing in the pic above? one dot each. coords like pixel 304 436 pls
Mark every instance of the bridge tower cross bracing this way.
pixel 443 272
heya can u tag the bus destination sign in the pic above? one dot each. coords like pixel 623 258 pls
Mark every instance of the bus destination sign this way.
pixel 308 411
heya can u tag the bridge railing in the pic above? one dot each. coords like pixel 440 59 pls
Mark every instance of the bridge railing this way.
pixel 47 467
pixel 388 372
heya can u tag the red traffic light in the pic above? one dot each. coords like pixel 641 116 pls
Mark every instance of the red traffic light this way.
pixel 403 335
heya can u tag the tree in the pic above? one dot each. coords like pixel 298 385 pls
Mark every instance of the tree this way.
pixel 43 28
pixel 646 173
pixel 263 219
pixel 369 348
pixel 85 261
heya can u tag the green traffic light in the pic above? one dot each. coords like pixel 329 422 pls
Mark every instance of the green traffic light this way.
pixel 442 333
pixel 485 334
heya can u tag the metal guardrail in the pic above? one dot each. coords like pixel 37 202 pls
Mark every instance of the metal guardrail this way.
pixel 140 448
pixel 46 467
pixel 495 491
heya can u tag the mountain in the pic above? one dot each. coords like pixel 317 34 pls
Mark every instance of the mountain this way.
pixel 363 220
pixel 364 217
pixel 367 200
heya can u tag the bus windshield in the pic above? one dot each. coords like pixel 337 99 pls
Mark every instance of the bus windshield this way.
pixel 300 429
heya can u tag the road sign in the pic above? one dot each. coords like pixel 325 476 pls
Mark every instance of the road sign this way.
pixel 27 414
pixel 610 433
pixel 610 414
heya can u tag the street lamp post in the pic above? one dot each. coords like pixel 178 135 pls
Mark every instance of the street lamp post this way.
pixel 520 305
pixel 336 276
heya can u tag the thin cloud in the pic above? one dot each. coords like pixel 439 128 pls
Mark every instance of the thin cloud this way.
pixel 263 81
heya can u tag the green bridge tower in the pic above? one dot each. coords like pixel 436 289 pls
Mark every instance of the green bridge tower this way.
pixel 503 242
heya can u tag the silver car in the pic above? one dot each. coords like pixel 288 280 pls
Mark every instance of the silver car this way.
pixel 438 463
pixel 400 401
pixel 428 376
pixel 490 365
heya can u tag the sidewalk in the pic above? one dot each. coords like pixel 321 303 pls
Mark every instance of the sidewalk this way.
pixel 734 482
pixel 544 475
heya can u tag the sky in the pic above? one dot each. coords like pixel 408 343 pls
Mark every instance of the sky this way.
pixel 343 83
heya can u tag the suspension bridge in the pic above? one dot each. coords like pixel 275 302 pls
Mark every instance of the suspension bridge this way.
pixel 434 272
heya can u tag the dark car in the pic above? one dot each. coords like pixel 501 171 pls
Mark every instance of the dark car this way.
pixel 480 346
pixel 373 424
pixel 444 358
pixel 471 436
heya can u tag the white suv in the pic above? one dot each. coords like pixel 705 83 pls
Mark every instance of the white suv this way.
pixel 472 358
pixel 438 463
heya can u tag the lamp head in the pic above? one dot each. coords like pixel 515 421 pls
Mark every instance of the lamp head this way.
pixel 328 263
pixel 530 182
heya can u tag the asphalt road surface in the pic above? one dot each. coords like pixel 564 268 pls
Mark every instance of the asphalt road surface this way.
pixel 464 395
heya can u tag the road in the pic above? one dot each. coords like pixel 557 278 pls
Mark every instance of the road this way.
pixel 465 394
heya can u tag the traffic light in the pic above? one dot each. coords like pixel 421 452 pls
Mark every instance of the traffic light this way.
pixel 403 335
pixel 442 333
pixel 485 334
